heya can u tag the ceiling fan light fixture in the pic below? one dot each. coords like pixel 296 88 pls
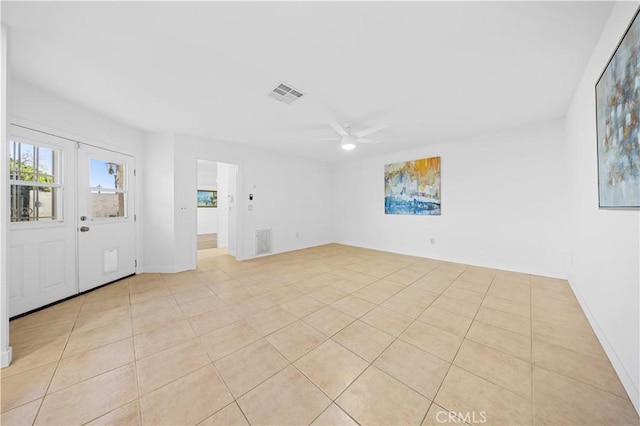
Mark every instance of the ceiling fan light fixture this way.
pixel 348 143
pixel 348 146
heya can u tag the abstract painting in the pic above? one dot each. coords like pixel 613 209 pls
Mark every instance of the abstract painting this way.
pixel 618 126
pixel 412 187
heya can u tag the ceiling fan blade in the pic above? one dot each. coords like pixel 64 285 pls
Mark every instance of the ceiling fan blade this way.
pixel 360 140
pixel 338 128
pixel 370 130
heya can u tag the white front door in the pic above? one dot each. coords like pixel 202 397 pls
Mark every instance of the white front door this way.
pixel 42 232
pixel 71 221
pixel 106 242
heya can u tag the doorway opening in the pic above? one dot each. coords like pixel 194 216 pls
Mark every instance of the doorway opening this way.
pixel 216 212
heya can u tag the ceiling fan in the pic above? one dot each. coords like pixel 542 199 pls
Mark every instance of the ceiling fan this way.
pixel 348 140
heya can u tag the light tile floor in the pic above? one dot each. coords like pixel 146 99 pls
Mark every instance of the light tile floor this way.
pixel 328 335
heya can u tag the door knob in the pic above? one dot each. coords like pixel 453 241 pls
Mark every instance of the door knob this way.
pixel 84 228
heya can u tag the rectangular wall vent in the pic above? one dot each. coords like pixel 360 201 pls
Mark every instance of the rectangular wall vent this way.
pixel 263 241
pixel 285 93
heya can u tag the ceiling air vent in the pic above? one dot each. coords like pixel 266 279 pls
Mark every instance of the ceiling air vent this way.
pixel 285 93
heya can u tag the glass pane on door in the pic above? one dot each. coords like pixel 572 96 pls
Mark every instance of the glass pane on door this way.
pixel 107 204
pixel 106 175
pixel 35 184
pixel 107 197
pixel 34 203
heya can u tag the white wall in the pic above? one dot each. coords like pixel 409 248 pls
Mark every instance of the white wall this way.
pixel 40 110
pixel 232 211
pixel 503 203
pixel 158 198
pixel 207 219
pixel 224 191
pixel 604 269
pixel 5 349
pixel 291 196
pixel 30 104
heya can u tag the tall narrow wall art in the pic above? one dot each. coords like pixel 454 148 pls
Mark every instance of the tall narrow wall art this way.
pixel 412 187
pixel 618 124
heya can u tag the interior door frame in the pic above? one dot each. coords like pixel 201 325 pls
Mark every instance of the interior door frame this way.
pixel 5 348
pixel 238 201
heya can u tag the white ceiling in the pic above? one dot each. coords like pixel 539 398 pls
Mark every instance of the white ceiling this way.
pixel 431 71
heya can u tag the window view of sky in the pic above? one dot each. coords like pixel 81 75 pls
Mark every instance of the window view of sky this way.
pixel 36 158
pixel 99 174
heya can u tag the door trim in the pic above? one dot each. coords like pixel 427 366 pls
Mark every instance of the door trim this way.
pixel 194 228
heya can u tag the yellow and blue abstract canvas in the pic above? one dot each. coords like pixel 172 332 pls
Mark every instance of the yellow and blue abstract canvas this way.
pixel 618 123
pixel 412 187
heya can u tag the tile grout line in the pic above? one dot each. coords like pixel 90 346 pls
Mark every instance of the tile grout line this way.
pixel 112 369
pixel 291 363
pixel 333 400
pixel 212 363
pixel 330 404
pixel 380 305
pixel 135 363
pixel 60 360
pixel 569 330
pixel 461 343
pixel 253 387
pixel 88 378
pixel 46 392
pixel 392 342
pixel 503 352
pixel 235 401
pixel 533 405
pixel 196 337
pixel 500 327
pixel 433 401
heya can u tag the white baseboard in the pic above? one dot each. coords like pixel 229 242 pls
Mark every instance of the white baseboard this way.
pixel 5 357
pixel 628 381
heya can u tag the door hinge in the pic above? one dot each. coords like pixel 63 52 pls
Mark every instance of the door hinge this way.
pixel 135 217
pixel 134 172
pixel 135 263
